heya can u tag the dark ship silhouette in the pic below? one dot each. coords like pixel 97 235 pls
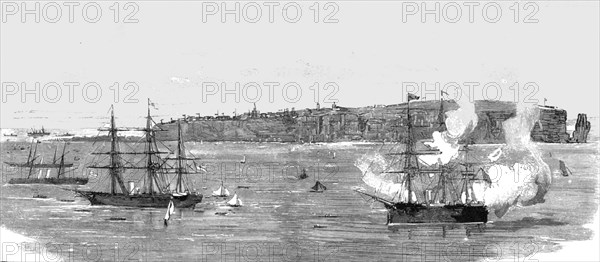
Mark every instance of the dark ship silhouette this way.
pixel 158 179
pixel 318 187
pixel 38 133
pixel 445 194
pixel 57 163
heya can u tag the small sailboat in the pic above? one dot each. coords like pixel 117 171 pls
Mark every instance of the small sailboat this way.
pixel 318 187
pixel 564 169
pixel 221 192
pixel 170 211
pixel 243 161
pixel 235 201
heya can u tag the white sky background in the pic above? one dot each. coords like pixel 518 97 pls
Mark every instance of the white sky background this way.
pixel 170 52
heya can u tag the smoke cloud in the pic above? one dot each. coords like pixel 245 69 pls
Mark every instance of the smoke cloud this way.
pixel 518 173
pixel 458 122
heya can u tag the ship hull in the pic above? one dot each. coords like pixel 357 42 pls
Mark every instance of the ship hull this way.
pixel 142 200
pixel 404 213
pixel 51 181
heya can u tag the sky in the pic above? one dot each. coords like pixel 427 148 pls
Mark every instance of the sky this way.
pixel 186 59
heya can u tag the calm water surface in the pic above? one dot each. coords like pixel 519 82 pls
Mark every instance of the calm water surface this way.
pixel 281 220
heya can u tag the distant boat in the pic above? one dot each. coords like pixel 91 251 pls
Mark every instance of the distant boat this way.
pixel 243 160
pixel 221 192
pixel 303 175
pixel 38 133
pixel 564 169
pixel 11 134
pixel 64 134
pixel 235 201
pixel 318 187
pixel 57 163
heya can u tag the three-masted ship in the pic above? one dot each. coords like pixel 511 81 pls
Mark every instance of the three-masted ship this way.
pixel 163 180
pixel 33 166
pixel 440 193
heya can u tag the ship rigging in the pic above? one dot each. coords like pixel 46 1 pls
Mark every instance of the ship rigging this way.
pixel 439 193
pixel 159 172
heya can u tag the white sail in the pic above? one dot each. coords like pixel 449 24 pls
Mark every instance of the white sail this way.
pixel 235 201
pixel 170 210
pixel 217 192
pixel 48 173
pixel 221 192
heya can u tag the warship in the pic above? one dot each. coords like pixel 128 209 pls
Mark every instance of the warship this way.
pixel 57 163
pixel 162 180
pixel 38 133
pixel 437 194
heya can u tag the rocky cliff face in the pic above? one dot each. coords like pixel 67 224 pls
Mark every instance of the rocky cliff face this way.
pixel 384 123
pixel 582 129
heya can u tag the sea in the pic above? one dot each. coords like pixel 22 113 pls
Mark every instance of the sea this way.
pixel 281 219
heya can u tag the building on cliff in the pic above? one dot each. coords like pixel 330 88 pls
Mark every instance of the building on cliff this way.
pixel 373 123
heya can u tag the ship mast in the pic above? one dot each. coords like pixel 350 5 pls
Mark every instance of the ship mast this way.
pixel 115 164
pixel 152 151
pixel 31 159
pixel 181 167
pixel 150 170
pixel 180 158
pixel 115 167
pixel 62 161
pixel 409 151
pixel 410 169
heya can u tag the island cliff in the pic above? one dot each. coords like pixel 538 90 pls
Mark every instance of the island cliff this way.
pixel 372 123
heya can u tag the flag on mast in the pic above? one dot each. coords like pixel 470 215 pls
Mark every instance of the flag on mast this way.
pixel 152 104
pixel 412 97
pixel 443 93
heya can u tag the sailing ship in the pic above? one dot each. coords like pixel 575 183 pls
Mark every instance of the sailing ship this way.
pixel 221 192
pixel 158 187
pixel 57 163
pixel 38 133
pixel 318 187
pixel 235 201
pixel 431 194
